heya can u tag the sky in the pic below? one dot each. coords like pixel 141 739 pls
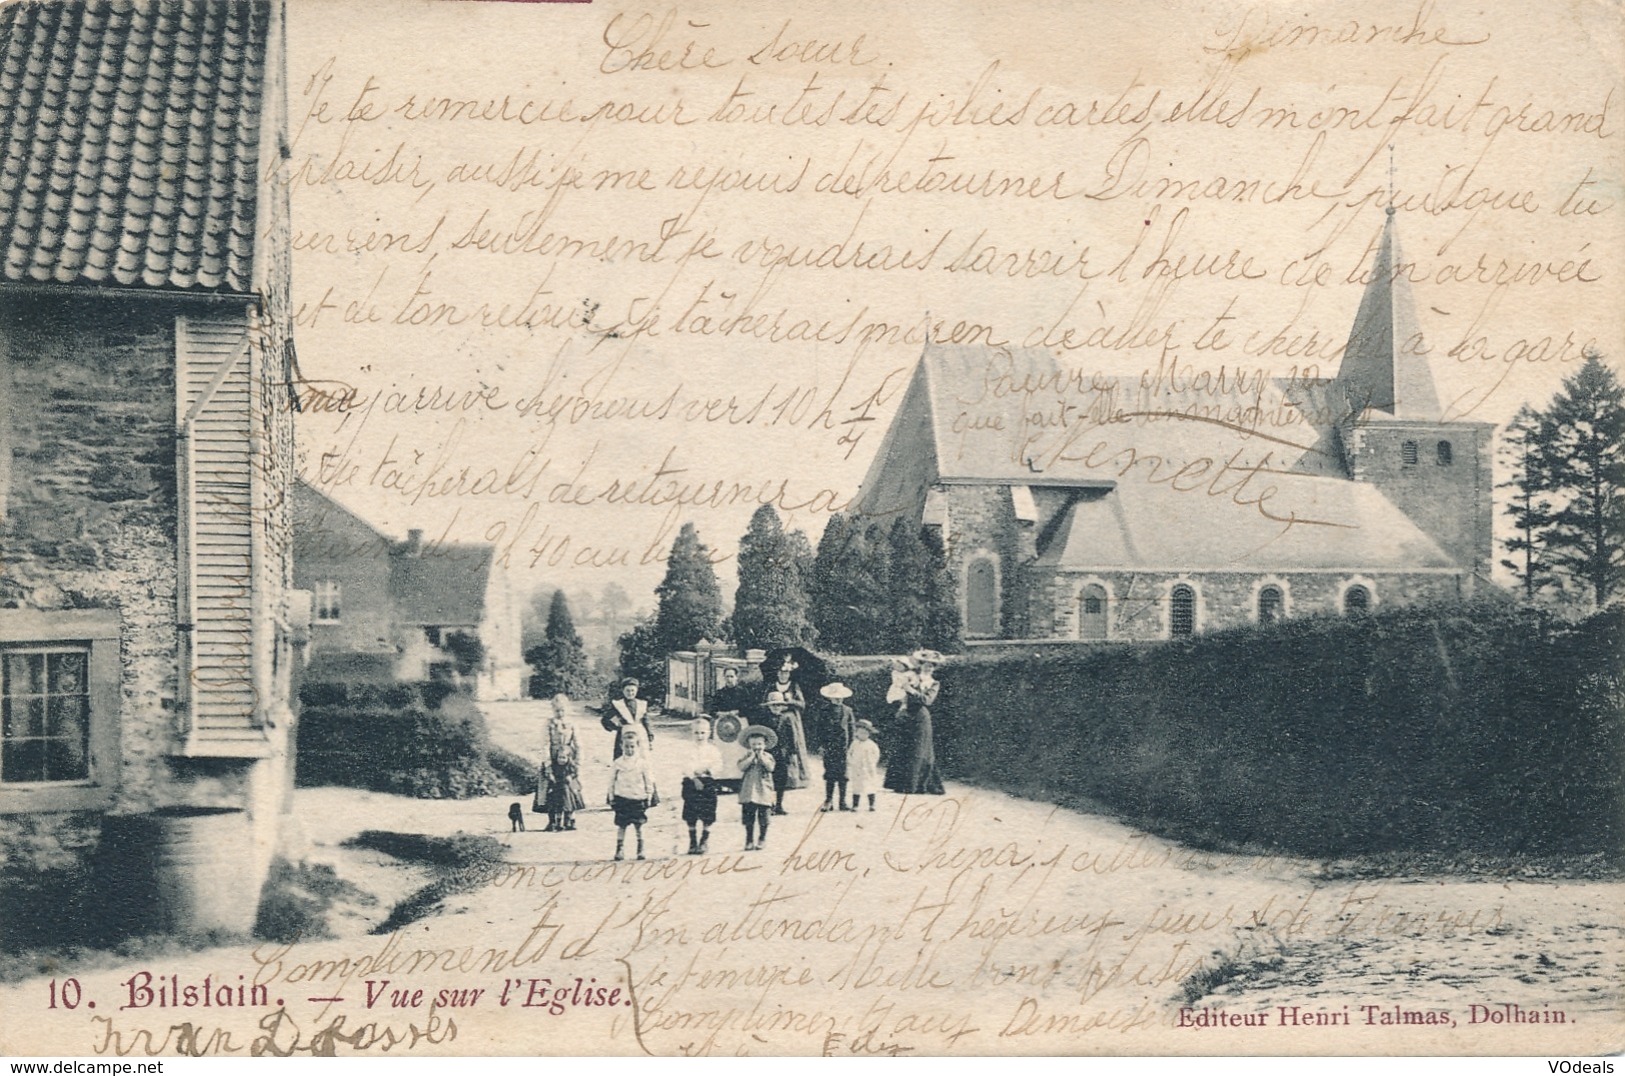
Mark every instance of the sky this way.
pixel 569 276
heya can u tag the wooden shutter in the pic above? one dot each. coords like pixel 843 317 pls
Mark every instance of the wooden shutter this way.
pixel 215 398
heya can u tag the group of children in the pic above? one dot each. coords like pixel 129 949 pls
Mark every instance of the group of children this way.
pixel 632 790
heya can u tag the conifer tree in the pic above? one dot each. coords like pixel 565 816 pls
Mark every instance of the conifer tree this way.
pixel 1528 504
pixel 1581 452
pixel 560 662
pixel 771 605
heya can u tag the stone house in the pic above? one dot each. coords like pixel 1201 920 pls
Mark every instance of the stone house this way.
pixel 148 623
pixel 386 610
pixel 1097 506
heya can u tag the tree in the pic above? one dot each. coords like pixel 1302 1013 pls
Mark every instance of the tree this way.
pixel 849 592
pixel 1582 460
pixel 942 621
pixel 642 656
pixel 689 608
pixel 1529 506
pixel 690 601
pixel 908 586
pixel 560 662
pixel 771 606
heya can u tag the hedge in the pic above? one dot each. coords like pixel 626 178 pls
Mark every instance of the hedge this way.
pixel 1478 728
pixel 408 739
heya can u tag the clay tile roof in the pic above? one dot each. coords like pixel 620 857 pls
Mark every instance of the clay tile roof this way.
pixel 129 141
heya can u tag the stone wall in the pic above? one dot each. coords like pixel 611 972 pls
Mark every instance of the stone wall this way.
pixel 1137 602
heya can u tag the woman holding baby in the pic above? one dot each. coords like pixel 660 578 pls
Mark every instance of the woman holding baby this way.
pixel 912 764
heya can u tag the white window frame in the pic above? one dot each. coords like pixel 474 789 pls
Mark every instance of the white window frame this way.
pixel 1348 585
pixel 324 602
pixel 97 632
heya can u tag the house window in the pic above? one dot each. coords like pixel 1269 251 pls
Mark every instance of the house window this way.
pixel 59 706
pixel 1271 602
pixel 45 714
pixel 1446 454
pixel 1356 600
pixel 433 635
pixel 1408 453
pixel 982 598
pixel 1181 612
pixel 326 600
pixel 1092 612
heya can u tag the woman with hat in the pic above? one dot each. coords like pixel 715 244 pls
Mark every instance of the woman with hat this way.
pixel 784 705
pixel 912 769
pixel 627 711
pixel 834 738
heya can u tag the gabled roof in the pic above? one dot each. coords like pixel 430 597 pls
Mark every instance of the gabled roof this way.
pixel 1146 526
pixel 324 529
pixel 1018 416
pixel 130 142
pixel 442 584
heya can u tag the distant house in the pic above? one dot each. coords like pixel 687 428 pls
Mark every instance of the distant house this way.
pixel 148 623
pixel 1076 505
pixel 403 610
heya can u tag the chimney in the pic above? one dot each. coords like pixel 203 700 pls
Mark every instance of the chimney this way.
pixel 414 542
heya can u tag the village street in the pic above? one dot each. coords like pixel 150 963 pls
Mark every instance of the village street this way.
pixel 973 922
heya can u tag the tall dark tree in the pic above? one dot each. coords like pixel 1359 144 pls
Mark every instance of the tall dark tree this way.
pixel 853 605
pixel 560 662
pixel 771 606
pixel 1528 504
pixel 909 571
pixel 942 619
pixel 690 601
pixel 1582 456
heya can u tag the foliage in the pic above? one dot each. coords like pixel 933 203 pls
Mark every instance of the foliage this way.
pixel 560 661
pixel 409 749
pixel 689 609
pixel 771 607
pixel 690 600
pixel 849 587
pixel 1529 505
pixel 296 899
pixel 643 657
pixel 877 589
pixel 1481 729
pixel 466 650
pixel 1581 459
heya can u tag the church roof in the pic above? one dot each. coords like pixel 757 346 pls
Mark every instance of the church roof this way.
pixel 130 142
pixel 1381 369
pixel 1166 480
pixel 1332 524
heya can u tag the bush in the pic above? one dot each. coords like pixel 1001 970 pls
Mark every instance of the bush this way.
pixel 1478 728
pixel 390 739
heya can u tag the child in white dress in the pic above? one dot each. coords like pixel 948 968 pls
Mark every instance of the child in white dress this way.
pixel 863 764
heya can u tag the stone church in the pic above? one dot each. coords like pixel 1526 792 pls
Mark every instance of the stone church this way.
pixel 1074 504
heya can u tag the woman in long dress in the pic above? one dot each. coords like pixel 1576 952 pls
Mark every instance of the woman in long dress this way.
pixel 785 704
pixel 912 764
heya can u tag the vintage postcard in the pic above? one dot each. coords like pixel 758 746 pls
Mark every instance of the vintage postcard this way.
pixel 702 528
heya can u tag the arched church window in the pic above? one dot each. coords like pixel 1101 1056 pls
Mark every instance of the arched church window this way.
pixel 982 598
pixel 1356 600
pixel 1271 602
pixel 1181 612
pixel 1446 454
pixel 1408 453
pixel 1092 612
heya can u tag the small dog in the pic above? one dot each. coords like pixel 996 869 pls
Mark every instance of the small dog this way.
pixel 516 816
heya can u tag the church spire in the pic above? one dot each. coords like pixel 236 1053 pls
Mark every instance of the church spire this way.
pixel 1381 369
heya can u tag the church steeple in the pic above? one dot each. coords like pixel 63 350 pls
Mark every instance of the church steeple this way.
pixel 1382 369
